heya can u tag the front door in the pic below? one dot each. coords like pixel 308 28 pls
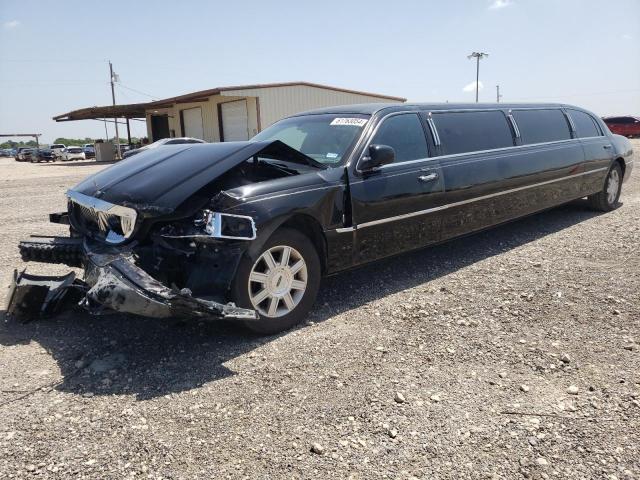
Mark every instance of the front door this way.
pixel 391 204
pixel 159 127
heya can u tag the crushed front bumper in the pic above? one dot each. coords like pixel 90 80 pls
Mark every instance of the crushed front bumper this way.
pixel 118 284
pixel 114 282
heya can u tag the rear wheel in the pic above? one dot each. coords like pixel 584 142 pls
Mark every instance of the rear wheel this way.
pixel 281 284
pixel 607 199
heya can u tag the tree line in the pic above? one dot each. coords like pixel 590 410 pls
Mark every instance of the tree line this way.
pixel 65 141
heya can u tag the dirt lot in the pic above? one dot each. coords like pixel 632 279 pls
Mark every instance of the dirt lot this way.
pixel 510 354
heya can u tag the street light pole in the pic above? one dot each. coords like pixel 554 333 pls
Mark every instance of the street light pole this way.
pixel 477 56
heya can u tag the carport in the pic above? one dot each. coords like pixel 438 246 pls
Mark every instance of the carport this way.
pixel 133 111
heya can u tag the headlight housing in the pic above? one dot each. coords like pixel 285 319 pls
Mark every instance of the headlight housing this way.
pixel 228 226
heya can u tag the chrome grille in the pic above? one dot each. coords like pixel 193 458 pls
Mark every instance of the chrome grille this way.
pixel 112 223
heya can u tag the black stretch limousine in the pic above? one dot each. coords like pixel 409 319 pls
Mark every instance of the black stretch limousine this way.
pixel 245 230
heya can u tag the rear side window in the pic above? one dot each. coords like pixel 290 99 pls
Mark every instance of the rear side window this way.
pixel 462 132
pixel 405 134
pixel 585 125
pixel 538 126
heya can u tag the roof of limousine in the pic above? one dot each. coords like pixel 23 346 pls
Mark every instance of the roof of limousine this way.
pixel 370 108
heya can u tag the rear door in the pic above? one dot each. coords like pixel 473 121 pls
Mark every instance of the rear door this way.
pixel 477 158
pixel 391 205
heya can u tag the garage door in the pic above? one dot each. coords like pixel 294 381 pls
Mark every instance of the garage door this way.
pixel 235 125
pixel 192 123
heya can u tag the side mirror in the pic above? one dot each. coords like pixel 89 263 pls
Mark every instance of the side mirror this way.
pixel 378 155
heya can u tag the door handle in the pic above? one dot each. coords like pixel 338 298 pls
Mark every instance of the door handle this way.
pixel 607 147
pixel 428 178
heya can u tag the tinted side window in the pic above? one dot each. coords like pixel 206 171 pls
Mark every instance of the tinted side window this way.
pixel 405 134
pixel 585 125
pixel 537 126
pixel 472 131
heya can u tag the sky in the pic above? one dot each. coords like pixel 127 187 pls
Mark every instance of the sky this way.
pixel 54 54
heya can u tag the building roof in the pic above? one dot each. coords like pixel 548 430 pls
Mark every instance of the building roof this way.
pixel 203 94
pixel 133 110
pixel 137 110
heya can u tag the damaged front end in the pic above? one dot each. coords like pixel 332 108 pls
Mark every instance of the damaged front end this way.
pixel 161 234
pixel 146 234
pixel 115 280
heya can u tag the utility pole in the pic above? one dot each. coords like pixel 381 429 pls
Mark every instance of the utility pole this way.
pixel 115 118
pixel 498 96
pixel 477 56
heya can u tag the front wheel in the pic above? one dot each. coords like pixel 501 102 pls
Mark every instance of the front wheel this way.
pixel 607 199
pixel 281 284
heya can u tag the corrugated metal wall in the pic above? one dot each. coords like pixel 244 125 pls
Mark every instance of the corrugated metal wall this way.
pixel 275 103
pixel 279 102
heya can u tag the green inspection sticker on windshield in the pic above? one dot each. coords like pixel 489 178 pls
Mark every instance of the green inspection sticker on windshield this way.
pixel 355 122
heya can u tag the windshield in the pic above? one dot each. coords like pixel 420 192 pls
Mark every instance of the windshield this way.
pixel 324 138
pixel 74 150
pixel 57 146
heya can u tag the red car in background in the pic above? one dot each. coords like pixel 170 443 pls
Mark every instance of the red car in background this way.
pixel 626 125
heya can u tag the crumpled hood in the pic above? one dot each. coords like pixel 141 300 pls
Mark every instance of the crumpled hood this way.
pixel 159 180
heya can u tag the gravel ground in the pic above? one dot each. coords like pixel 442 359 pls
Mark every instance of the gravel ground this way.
pixel 509 354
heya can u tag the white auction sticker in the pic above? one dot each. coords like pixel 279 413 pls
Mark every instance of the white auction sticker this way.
pixel 356 122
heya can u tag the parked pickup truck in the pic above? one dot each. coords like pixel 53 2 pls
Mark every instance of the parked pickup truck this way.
pixel 245 230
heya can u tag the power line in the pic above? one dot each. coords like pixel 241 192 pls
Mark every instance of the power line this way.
pixel 138 91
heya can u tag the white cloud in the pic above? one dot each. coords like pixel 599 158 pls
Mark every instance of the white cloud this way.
pixel 11 24
pixel 472 87
pixel 626 36
pixel 498 4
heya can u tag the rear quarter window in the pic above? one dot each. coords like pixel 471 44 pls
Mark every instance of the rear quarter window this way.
pixel 585 125
pixel 462 132
pixel 539 126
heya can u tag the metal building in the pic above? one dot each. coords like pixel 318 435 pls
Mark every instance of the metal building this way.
pixel 229 113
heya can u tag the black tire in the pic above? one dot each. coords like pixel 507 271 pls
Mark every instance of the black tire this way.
pixel 240 285
pixel 605 200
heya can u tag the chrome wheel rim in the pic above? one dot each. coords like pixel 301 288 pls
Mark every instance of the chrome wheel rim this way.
pixel 277 281
pixel 613 184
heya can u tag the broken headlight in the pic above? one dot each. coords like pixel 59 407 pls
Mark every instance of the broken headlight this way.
pixel 227 225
